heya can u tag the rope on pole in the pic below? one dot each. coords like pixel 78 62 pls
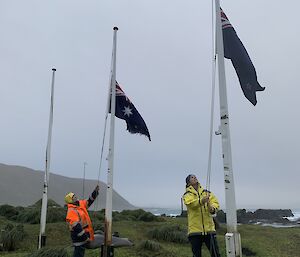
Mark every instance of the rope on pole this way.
pixel 213 84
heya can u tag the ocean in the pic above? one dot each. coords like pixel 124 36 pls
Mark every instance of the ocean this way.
pixel 174 212
pixel 168 211
pixel 296 215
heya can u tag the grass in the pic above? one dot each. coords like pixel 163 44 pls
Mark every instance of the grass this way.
pixel 269 242
pixel 170 233
pixel 50 252
pixel 263 241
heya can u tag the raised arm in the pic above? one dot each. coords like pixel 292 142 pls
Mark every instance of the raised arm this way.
pixel 93 196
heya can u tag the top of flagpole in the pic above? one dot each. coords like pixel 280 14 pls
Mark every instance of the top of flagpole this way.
pixel 116 28
pixel 53 69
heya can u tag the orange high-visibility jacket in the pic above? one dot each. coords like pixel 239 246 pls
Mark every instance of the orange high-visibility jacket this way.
pixel 79 214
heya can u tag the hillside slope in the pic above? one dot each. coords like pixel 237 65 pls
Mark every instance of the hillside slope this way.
pixel 21 186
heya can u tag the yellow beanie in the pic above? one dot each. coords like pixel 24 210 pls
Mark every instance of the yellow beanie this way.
pixel 69 197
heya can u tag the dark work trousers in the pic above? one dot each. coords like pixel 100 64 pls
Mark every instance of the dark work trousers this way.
pixel 79 251
pixel 210 242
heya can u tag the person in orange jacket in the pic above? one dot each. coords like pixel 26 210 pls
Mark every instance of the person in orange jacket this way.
pixel 79 221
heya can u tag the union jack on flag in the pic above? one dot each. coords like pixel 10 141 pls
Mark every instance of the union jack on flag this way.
pixel 237 53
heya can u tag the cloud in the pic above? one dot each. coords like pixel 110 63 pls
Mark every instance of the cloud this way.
pixel 164 65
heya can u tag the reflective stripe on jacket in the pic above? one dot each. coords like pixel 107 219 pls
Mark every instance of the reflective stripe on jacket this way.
pixel 79 223
pixel 200 220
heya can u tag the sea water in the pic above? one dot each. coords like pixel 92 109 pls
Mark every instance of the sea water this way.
pixel 173 212
pixel 296 216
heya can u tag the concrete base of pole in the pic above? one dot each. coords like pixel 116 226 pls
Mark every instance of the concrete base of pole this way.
pixel 233 245
pixel 109 251
pixel 43 241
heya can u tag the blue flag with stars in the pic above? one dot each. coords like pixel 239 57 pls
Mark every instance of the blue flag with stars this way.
pixel 237 53
pixel 125 110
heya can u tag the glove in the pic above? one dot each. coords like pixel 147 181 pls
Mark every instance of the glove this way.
pixel 211 209
pixel 205 199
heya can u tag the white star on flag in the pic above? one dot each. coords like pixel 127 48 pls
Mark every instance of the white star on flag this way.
pixel 127 111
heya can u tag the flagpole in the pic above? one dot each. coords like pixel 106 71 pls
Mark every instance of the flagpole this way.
pixel 83 180
pixel 42 235
pixel 233 240
pixel 107 249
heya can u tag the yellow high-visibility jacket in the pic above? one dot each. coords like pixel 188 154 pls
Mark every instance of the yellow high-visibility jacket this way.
pixel 200 220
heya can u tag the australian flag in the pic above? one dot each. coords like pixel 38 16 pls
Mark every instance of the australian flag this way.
pixel 125 110
pixel 236 52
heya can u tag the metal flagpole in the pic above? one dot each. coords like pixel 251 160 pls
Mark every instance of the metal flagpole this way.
pixel 83 181
pixel 107 250
pixel 233 240
pixel 42 235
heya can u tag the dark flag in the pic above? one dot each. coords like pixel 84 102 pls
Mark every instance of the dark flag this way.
pixel 125 110
pixel 236 52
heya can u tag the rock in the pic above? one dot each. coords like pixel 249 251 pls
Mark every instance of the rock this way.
pixel 272 214
pixel 260 215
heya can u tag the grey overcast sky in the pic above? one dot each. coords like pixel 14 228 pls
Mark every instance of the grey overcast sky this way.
pixel 164 66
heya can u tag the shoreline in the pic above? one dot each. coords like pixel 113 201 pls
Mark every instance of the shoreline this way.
pixel 292 220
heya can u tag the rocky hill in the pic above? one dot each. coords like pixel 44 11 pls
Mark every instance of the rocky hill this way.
pixel 21 186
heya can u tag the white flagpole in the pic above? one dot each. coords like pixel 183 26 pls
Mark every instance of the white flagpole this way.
pixel 233 241
pixel 108 210
pixel 42 235
pixel 83 180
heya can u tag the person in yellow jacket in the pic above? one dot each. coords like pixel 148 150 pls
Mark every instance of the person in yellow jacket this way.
pixel 201 205
pixel 79 221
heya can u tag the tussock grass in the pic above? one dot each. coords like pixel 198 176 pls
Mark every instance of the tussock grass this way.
pixel 56 213
pixel 127 215
pixel 135 215
pixel 150 248
pixel 8 211
pixel 50 252
pixel 31 215
pixel 262 241
pixel 11 235
pixel 169 233
pixel 149 245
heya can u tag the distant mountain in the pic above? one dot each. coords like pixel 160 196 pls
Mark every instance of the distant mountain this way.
pixel 21 186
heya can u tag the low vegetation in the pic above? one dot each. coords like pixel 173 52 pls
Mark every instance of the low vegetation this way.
pixel 56 213
pixel 152 236
pixel 149 245
pixel 11 235
pixel 169 233
pixel 50 252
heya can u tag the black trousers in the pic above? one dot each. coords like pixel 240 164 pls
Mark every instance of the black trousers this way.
pixel 79 251
pixel 210 242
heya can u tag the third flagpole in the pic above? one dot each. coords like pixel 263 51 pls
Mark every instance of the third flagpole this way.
pixel 233 241
pixel 42 235
pixel 107 248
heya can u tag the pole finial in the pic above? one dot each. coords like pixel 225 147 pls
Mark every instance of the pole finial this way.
pixel 116 28
pixel 53 69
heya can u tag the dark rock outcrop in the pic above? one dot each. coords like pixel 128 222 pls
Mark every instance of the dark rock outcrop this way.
pixel 260 215
pixel 272 214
